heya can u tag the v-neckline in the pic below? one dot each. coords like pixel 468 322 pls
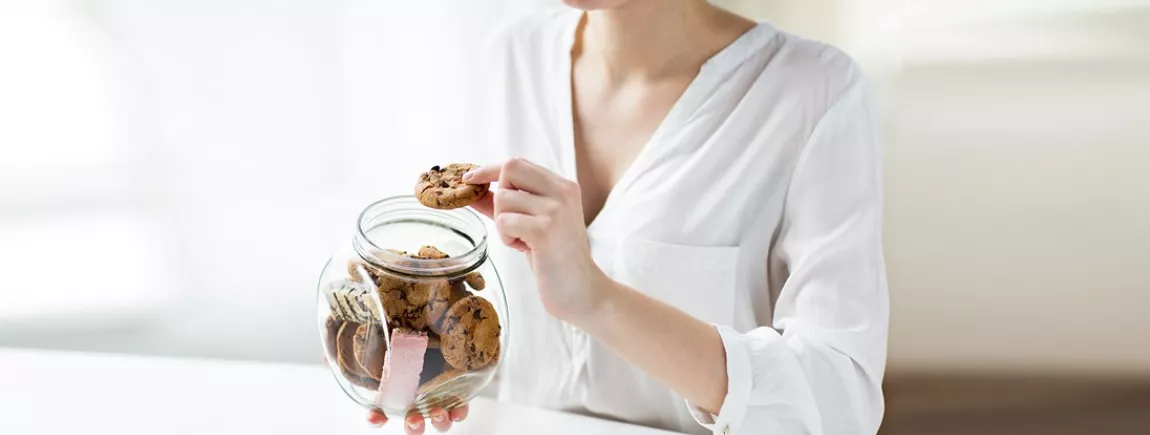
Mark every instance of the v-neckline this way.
pixel 681 111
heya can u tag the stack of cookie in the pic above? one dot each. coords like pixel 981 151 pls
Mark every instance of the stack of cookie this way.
pixel 438 330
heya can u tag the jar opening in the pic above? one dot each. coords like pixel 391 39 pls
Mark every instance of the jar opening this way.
pixel 402 223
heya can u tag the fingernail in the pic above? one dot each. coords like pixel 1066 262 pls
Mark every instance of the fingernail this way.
pixel 456 418
pixel 467 176
pixel 438 418
pixel 375 421
pixel 414 424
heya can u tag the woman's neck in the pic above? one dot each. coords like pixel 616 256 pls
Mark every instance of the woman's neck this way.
pixel 655 38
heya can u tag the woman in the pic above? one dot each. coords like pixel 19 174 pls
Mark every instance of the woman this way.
pixel 695 202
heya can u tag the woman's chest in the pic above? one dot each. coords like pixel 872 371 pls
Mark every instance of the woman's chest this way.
pixel 701 180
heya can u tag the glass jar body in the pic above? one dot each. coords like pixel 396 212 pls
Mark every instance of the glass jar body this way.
pixel 412 314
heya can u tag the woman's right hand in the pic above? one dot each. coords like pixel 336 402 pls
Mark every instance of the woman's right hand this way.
pixel 441 419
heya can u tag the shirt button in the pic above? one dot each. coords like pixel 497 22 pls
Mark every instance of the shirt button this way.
pixel 727 429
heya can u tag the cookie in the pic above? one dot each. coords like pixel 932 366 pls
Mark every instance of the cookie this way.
pixel 409 305
pixel 345 350
pixel 475 280
pixel 443 188
pixel 369 349
pixel 470 336
pixel 386 281
pixel 440 301
pixel 394 304
pixel 431 253
pixel 437 307
pixel 351 302
pixel 332 328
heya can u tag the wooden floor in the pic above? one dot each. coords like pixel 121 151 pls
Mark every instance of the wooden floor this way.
pixel 993 406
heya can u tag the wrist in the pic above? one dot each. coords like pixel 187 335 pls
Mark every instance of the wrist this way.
pixel 604 295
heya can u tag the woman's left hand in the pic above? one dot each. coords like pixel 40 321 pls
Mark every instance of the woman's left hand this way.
pixel 441 419
pixel 540 213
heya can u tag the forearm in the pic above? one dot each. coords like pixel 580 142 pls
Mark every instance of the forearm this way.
pixel 682 352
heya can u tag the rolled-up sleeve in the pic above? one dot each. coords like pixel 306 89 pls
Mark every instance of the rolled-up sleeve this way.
pixel 818 368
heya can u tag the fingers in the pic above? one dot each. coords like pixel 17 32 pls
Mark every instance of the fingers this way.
pixel 519 227
pixel 413 424
pixel 521 217
pixel 439 419
pixel 518 174
pixel 376 418
pixel 524 175
pixel 458 414
pixel 518 201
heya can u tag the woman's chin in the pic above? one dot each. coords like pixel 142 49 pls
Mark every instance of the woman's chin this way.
pixel 590 5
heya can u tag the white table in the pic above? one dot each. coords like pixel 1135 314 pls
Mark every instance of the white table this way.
pixel 57 393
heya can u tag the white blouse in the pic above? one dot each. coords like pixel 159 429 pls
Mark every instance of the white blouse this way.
pixel 755 206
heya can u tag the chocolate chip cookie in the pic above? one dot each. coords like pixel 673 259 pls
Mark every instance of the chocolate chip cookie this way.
pixel 410 304
pixel 437 307
pixel 470 336
pixel 443 187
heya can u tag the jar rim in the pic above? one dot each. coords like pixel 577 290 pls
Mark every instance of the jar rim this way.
pixel 451 266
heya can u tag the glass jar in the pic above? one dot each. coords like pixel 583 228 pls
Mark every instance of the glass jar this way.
pixel 412 315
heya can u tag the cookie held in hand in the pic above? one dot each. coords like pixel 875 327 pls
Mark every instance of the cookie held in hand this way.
pixel 443 187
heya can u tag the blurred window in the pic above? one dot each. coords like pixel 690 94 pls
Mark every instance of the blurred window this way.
pixel 76 241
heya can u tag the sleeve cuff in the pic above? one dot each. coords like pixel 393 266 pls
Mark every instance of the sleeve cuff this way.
pixel 739 379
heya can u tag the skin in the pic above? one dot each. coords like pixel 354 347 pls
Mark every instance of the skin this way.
pixel 631 62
